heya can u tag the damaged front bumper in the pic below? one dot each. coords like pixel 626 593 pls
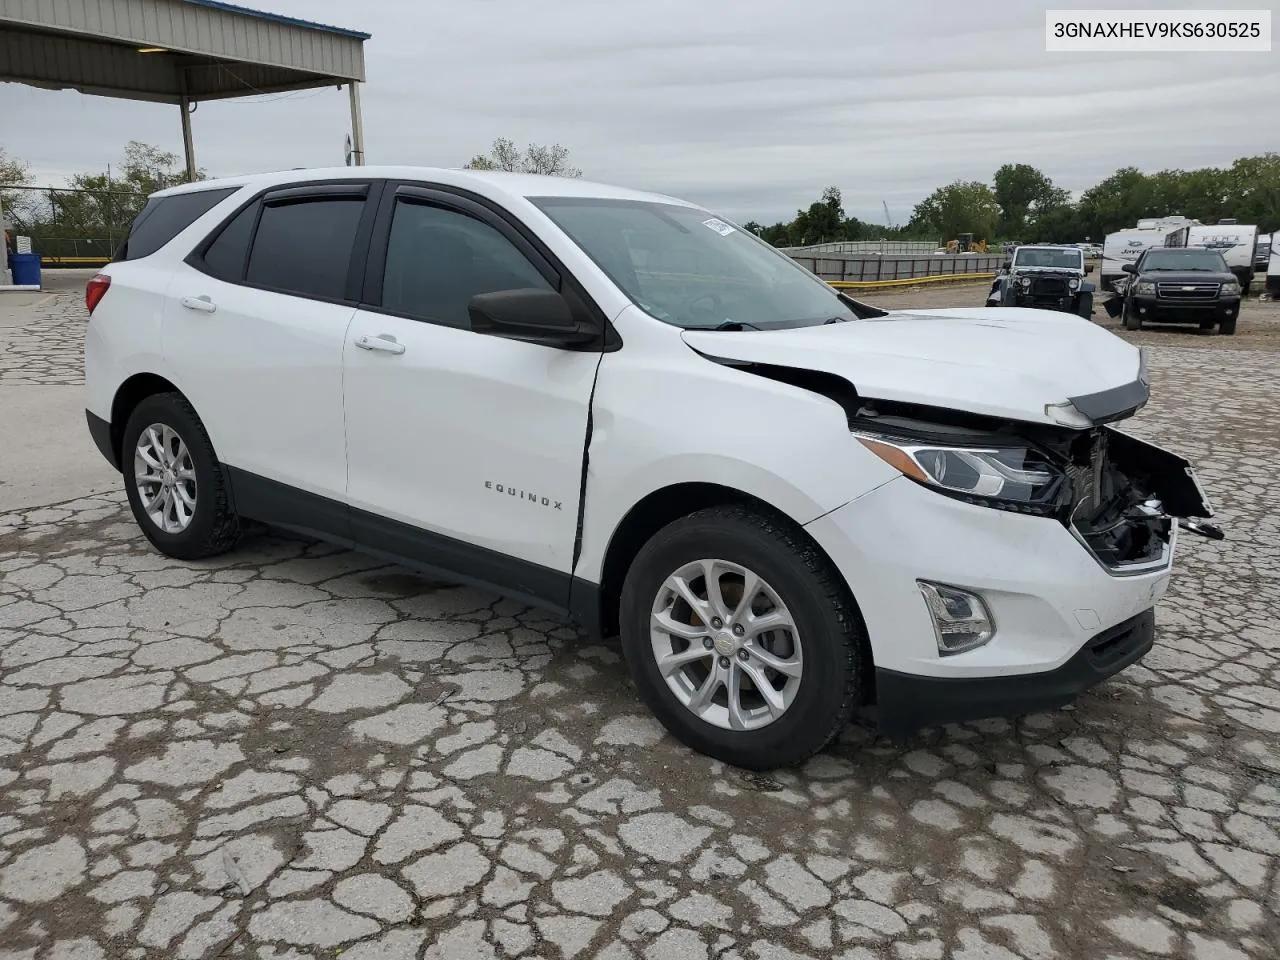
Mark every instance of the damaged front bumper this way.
pixel 1127 496
pixel 1071 595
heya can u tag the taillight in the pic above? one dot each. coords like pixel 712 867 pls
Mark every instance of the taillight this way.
pixel 95 289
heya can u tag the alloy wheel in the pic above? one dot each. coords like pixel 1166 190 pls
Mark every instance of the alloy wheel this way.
pixel 726 644
pixel 165 477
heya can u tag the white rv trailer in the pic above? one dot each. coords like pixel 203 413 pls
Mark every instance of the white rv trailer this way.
pixel 1273 270
pixel 1235 241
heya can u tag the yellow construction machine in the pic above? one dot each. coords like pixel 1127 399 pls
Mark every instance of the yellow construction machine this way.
pixel 966 244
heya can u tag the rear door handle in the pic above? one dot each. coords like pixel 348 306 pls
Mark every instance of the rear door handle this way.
pixel 384 342
pixel 201 303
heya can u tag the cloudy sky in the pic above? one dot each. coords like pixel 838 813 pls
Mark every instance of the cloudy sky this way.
pixel 748 106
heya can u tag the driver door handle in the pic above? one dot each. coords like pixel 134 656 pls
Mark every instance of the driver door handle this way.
pixel 383 342
pixel 202 303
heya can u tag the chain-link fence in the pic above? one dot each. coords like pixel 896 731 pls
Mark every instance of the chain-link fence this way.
pixel 71 227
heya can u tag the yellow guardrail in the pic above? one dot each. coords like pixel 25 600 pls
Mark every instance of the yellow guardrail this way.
pixel 907 281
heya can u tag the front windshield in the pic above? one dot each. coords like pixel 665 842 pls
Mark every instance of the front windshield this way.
pixel 691 269
pixel 1047 257
pixel 1185 258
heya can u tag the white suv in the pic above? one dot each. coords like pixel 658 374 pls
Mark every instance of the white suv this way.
pixel 620 407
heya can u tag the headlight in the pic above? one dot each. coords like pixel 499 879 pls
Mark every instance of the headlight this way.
pixel 1074 283
pixel 1010 478
pixel 1231 289
pixel 1145 287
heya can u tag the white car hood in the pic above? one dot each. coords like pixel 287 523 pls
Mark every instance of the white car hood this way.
pixel 1004 362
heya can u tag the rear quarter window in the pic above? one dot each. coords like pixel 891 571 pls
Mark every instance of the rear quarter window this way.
pixel 225 258
pixel 163 218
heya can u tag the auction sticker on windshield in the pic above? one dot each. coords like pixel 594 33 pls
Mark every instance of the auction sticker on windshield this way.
pixel 719 226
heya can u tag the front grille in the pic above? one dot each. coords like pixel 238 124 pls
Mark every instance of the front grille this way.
pixel 1048 287
pixel 1191 292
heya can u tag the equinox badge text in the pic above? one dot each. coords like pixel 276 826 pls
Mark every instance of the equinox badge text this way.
pixel 523 495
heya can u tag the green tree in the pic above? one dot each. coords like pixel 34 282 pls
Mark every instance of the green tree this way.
pixel 1118 201
pixel 1203 194
pixel 779 234
pixel 960 207
pixel 1254 183
pixel 106 203
pixel 1024 193
pixel 13 173
pixel 505 155
pixel 823 222
pixel 1056 223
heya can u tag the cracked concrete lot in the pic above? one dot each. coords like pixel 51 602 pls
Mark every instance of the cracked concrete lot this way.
pixel 297 752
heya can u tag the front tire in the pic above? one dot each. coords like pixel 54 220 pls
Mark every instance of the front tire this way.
pixel 742 638
pixel 1227 327
pixel 175 485
pixel 1131 319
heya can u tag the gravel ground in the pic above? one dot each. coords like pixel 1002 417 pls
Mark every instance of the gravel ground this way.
pixel 294 752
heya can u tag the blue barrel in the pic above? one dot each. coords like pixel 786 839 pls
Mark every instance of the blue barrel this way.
pixel 25 268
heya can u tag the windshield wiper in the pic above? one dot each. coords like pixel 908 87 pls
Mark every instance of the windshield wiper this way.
pixel 735 325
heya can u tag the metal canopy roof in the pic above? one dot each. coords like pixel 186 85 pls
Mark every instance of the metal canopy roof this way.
pixel 197 49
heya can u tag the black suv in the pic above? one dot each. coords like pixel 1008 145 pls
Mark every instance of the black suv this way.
pixel 1179 285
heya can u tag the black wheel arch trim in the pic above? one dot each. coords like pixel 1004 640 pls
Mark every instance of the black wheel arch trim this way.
pixel 100 432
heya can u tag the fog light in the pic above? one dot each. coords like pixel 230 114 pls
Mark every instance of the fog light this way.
pixel 961 621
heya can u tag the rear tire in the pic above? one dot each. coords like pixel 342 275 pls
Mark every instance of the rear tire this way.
pixel 1131 319
pixel 824 651
pixel 176 487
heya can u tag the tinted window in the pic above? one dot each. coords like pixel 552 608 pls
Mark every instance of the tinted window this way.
pixel 437 260
pixel 305 247
pixel 225 258
pixel 163 218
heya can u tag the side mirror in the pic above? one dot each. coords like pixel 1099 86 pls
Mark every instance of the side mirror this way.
pixel 1008 264
pixel 1088 268
pixel 530 314
pixel 1129 267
